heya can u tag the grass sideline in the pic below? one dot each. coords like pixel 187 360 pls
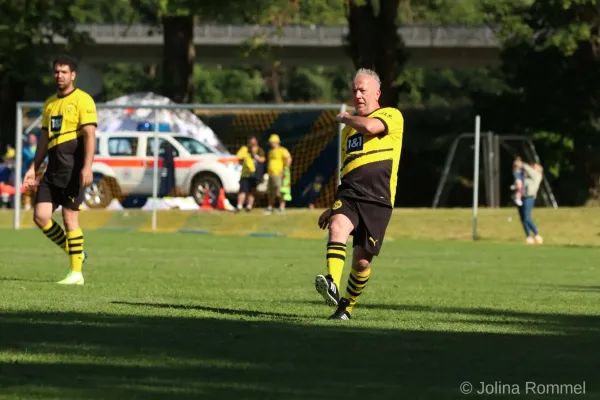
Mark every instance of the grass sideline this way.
pixel 562 226
pixel 184 317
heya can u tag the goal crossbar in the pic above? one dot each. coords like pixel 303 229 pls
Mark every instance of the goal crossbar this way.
pixel 172 106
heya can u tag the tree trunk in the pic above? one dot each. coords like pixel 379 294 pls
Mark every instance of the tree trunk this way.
pixel 178 58
pixel 374 43
pixel 276 82
pixel 362 35
pixel 11 91
pixel 390 52
pixel 585 133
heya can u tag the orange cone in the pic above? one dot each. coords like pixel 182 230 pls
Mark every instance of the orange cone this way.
pixel 9 189
pixel 206 200
pixel 221 200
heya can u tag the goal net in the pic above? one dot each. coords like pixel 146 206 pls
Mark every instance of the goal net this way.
pixel 134 184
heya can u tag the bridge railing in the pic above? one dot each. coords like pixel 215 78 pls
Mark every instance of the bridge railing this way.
pixel 292 35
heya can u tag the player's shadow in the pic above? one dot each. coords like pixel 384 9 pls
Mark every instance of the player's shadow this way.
pixel 578 246
pixel 217 310
pixel 490 316
pixel 75 355
pixel 12 279
pixel 575 288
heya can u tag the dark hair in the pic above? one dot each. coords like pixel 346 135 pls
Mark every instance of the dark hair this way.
pixel 65 60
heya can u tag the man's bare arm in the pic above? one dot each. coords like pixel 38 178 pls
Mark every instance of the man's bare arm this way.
pixel 365 125
pixel 89 145
pixel 259 158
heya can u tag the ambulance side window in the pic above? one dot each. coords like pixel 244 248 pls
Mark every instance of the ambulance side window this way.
pixel 122 146
pixel 162 145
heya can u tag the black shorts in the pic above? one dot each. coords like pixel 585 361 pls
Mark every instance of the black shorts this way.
pixel 248 184
pixel 70 197
pixel 370 221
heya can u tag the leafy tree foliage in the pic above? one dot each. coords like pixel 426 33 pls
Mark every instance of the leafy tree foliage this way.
pixel 547 85
pixel 551 63
pixel 441 12
pixel 26 30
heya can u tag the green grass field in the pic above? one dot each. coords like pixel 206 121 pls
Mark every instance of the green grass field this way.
pixel 175 316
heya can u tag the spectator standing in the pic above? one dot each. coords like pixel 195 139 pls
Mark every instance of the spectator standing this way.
pixel 279 159
pixel 252 158
pixel 531 185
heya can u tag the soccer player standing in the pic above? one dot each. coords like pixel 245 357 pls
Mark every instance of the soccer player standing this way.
pixel 371 147
pixel 68 137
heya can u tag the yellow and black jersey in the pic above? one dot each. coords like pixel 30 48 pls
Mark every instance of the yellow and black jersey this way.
pixel 63 117
pixel 369 169
pixel 247 161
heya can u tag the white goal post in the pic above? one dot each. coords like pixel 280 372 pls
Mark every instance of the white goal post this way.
pixel 476 174
pixel 19 136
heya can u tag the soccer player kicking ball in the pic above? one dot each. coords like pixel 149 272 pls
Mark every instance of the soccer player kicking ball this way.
pixel 371 146
pixel 68 137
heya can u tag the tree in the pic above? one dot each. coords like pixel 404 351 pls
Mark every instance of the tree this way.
pixel 441 12
pixel 178 58
pixel 26 30
pixel 551 61
pixel 374 43
pixel 176 17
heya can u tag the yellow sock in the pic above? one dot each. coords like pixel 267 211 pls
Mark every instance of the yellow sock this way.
pixel 75 239
pixel 356 283
pixel 55 232
pixel 336 256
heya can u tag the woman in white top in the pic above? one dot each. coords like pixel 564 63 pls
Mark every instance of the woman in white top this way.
pixel 533 179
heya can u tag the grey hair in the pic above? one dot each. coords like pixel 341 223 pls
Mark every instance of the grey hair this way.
pixel 368 72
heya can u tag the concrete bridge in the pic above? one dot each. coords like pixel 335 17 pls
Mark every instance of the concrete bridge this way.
pixel 428 45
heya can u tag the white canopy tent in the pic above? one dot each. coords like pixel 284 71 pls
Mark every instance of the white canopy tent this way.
pixel 181 121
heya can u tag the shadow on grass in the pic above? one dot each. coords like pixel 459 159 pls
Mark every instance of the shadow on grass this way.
pixel 574 288
pixel 227 311
pixel 578 246
pixel 78 355
pixel 554 322
pixel 13 279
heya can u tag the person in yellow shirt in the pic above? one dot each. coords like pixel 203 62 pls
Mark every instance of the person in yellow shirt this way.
pixel 68 138
pixel 365 198
pixel 251 157
pixel 279 159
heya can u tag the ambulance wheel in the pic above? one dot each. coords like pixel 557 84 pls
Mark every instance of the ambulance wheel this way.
pixel 100 193
pixel 199 184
